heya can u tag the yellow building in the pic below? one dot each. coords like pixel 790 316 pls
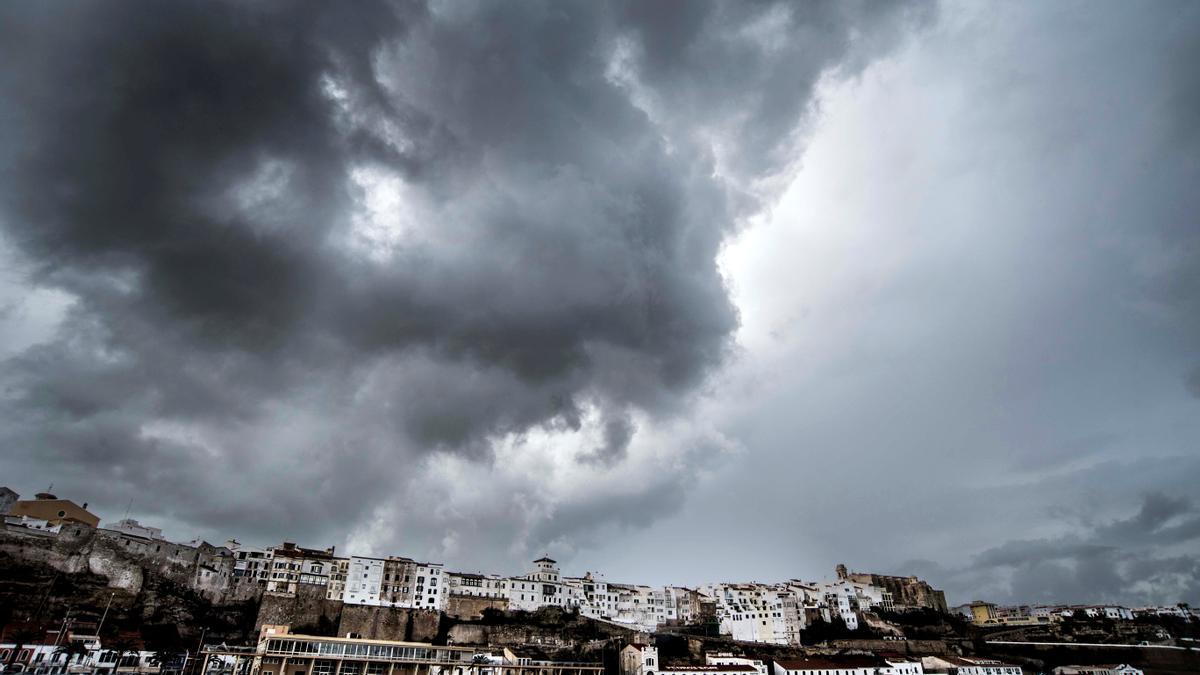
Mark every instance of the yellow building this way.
pixel 982 612
pixel 45 506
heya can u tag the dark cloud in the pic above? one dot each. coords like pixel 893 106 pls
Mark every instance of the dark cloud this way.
pixel 309 244
pixel 1124 560
pixel 1153 521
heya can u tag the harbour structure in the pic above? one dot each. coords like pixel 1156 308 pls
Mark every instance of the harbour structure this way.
pixel 280 652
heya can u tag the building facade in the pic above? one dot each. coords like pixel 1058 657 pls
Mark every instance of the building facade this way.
pixel 48 507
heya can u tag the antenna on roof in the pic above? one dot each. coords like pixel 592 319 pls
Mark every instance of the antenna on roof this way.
pixel 51 488
pixel 127 507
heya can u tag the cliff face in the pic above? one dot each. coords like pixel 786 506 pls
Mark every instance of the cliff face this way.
pixel 127 561
pixel 77 574
pixel 173 593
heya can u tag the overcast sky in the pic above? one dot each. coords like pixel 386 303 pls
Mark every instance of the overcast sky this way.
pixel 676 292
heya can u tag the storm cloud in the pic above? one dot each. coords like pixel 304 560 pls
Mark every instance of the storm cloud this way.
pixel 1138 560
pixel 301 249
pixel 909 286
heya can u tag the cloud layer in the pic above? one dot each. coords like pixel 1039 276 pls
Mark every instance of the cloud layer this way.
pixel 310 257
pixel 676 291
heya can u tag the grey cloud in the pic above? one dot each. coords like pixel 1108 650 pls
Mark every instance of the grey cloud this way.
pixel 619 429
pixel 1192 381
pixel 1020 552
pixel 974 305
pixel 1151 520
pixel 187 173
pixel 689 52
pixel 1118 561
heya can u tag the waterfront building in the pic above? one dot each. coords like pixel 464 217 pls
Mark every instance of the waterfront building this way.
pixel 280 652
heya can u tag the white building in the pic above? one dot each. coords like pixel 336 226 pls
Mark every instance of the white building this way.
pixel 968 665
pixel 132 527
pixel 34 525
pixel 726 659
pixel 364 581
pixel 757 612
pixel 42 659
pixel 895 664
pixel 38 658
pixel 429 591
pixel 827 665
pixel 639 659
pixel 635 606
pixel 476 585
pixel 730 669
pixel 1112 612
pixel 597 600
pixel 543 587
pixel 316 572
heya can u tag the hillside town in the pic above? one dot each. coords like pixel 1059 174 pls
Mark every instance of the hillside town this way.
pixel 782 613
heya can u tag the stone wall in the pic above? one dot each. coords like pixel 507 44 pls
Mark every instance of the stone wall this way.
pixel 390 623
pixel 308 607
pixel 898 646
pixel 906 591
pixel 469 607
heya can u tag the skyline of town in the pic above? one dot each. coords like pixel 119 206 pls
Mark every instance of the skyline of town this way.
pixel 48 513
pixel 909 283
